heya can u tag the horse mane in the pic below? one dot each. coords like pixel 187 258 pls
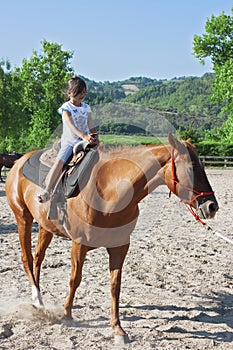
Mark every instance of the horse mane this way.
pixel 191 148
pixel 129 150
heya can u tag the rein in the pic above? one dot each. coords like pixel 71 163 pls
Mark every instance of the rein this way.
pixel 197 194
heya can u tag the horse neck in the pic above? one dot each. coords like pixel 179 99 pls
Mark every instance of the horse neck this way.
pixel 155 176
pixel 141 167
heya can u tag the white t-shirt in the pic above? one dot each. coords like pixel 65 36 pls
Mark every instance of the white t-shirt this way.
pixel 79 116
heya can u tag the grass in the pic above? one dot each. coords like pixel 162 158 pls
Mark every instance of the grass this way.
pixel 130 139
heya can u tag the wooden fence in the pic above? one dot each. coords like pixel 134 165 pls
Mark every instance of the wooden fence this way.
pixel 219 161
pixel 4 172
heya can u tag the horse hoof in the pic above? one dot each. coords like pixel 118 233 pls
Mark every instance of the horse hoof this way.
pixel 67 317
pixel 121 340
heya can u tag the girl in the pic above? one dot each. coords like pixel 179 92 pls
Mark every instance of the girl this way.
pixel 77 126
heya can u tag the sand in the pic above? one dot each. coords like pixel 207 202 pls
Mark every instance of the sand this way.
pixel 177 287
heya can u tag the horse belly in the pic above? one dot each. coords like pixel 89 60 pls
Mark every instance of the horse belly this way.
pixel 108 237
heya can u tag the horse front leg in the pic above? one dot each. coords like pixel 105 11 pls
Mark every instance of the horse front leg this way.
pixel 44 239
pixel 116 260
pixel 78 254
pixel 24 221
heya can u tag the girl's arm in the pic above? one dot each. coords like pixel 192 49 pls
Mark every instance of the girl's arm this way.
pixel 92 128
pixel 68 120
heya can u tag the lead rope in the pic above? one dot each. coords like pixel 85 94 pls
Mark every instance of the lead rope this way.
pixel 208 228
pixel 189 206
pixel 220 235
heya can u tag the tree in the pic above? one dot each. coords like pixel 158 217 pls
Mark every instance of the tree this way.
pixel 43 77
pixel 12 119
pixel 217 44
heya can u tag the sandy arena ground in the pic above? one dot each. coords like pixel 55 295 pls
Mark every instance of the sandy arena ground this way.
pixel 177 290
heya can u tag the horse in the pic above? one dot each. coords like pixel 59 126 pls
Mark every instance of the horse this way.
pixel 105 212
pixel 8 160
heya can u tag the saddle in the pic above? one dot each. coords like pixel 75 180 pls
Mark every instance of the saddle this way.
pixel 48 157
pixel 75 174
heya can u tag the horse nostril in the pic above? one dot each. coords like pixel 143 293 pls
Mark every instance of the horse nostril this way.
pixel 208 209
pixel 213 207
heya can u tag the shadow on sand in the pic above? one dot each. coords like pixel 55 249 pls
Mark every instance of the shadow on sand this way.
pixel 220 313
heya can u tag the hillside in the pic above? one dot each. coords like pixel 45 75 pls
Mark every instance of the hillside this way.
pixel 184 102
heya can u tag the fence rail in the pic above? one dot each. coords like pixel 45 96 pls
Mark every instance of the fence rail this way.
pixel 221 161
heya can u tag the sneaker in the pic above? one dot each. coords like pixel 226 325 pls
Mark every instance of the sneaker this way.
pixel 43 197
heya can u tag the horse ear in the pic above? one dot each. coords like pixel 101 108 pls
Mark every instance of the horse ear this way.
pixel 177 144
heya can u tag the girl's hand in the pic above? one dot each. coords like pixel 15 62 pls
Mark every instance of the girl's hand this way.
pixel 92 139
pixel 95 138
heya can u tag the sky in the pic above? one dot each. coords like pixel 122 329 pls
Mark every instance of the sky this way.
pixel 111 40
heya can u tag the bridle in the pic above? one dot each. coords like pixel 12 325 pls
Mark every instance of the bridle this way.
pixel 197 194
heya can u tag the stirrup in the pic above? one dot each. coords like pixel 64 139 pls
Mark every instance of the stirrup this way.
pixel 44 197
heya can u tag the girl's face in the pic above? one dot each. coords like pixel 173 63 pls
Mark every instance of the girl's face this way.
pixel 77 99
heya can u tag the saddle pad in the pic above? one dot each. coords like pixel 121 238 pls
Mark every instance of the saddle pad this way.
pixel 34 170
pixel 72 184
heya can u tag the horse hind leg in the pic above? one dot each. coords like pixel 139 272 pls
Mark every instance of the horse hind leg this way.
pixel 116 260
pixel 44 239
pixel 78 254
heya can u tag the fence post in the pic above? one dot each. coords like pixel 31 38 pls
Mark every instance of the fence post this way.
pixel 4 171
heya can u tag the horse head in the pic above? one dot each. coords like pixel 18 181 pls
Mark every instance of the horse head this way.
pixel 185 176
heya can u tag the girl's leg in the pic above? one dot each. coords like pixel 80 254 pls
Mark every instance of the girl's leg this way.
pixel 54 173
pixel 50 181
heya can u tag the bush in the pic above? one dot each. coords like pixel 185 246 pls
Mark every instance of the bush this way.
pixel 214 149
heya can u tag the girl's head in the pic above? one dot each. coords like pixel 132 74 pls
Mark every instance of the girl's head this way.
pixel 75 86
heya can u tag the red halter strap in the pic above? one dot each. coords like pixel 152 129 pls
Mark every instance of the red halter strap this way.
pixel 198 194
pixel 174 177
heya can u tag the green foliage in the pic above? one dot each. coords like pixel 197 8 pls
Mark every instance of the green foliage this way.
pixel 191 133
pixel 184 102
pixel 217 44
pixel 212 148
pixel 120 128
pixel 106 92
pixel 43 77
pixel 30 96
pixel 128 118
pixel 11 115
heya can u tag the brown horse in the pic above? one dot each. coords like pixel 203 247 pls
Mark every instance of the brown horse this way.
pixel 106 210
pixel 8 160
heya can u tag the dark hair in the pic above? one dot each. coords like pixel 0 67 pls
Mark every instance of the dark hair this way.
pixel 75 85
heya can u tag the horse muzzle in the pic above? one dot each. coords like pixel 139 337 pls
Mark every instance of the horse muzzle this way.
pixel 208 209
